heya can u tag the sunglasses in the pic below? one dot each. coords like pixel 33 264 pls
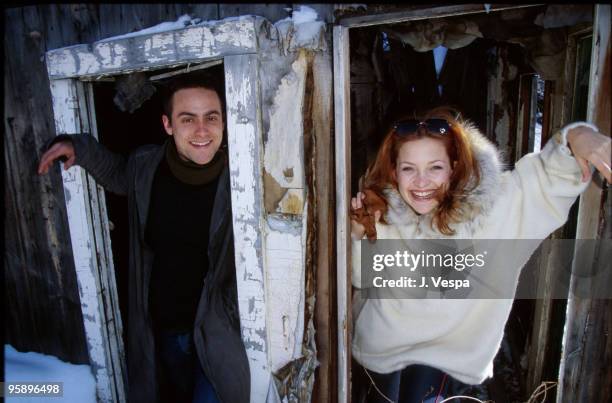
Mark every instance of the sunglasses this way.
pixel 409 126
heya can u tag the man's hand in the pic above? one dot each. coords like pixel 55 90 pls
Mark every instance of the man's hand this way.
pixel 60 149
pixel 587 145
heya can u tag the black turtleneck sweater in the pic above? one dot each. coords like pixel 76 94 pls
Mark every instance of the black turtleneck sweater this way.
pixel 178 230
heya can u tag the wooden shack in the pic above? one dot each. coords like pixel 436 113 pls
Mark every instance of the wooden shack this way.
pixel 309 92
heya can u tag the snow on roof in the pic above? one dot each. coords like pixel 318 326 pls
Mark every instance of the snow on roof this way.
pixel 183 21
pixel 306 29
pixel 79 384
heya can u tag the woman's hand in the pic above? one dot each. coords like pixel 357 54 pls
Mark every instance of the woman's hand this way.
pixel 357 229
pixel 587 145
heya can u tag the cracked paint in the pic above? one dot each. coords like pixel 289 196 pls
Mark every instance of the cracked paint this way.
pixel 283 153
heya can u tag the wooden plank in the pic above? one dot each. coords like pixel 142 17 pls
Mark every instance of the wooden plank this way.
pixel 325 317
pixel 424 13
pixel 44 313
pixel 343 174
pixel 107 279
pixel 524 116
pixel 582 377
pixel 68 119
pixel 245 156
pixel 207 41
pixel 549 89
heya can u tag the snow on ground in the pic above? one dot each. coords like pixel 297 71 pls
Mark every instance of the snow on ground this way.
pixel 79 384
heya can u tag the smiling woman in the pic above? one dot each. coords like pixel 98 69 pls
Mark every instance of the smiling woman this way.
pixel 430 162
pixel 440 178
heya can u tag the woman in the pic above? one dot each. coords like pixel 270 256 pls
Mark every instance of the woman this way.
pixel 441 178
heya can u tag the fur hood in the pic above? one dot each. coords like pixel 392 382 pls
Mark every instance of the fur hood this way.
pixel 474 207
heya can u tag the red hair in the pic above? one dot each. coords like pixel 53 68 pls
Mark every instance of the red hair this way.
pixel 464 178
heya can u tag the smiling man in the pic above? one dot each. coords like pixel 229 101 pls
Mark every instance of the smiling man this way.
pixel 184 339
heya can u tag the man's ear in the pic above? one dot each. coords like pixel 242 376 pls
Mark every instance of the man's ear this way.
pixel 167 124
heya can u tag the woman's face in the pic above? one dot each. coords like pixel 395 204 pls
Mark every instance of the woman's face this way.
pixel 423 167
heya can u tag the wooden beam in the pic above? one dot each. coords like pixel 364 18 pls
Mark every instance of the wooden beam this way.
pixel 342 121
pixel 326 381
pixel 91 256
pixel 585 370
pixel 245 156
pixel 210 40
pixel 425 13
pixel 186 70
pixel 549 88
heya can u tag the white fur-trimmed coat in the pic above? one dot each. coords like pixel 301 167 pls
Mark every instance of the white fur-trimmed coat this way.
pixel 462 336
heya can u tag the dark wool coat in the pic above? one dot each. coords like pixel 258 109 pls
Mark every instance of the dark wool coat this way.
pixel 217 326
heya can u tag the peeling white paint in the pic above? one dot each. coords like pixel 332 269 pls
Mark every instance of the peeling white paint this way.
pixel 284 261
pixel 292 202
pixel 59 61
pixel 239 33
pixel 88 63
pixel 211 39
pixel 283 153
pixel 244 137
pixel 112 56
pixel 192 40
pixel 64 95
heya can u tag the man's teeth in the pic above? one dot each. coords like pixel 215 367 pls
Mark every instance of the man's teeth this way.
pixel 196 143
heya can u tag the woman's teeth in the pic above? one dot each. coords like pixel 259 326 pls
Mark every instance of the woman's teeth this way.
pixel 423 195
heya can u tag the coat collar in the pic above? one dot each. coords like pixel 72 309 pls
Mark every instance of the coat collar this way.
pixel 475 206
pixel 143 182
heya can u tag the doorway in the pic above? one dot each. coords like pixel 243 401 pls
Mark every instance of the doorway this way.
pixel 391 68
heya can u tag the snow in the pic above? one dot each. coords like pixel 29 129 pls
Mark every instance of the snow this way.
pixel 79 384
pixel 303 15
pixel 183 21
pixel 306 27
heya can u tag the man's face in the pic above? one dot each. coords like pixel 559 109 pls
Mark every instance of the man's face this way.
pixel 196 125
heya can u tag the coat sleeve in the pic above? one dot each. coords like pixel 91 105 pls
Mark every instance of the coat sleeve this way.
pixel 108 169
pixel 547 184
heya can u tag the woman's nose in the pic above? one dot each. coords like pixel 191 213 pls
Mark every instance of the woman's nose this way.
pixel 421 179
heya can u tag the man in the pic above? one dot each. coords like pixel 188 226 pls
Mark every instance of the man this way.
pixel 184 328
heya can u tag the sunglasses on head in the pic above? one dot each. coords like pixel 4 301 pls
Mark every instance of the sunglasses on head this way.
pixel 409 126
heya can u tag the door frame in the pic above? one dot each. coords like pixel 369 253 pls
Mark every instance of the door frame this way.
pixel 71 71
pixel 342 121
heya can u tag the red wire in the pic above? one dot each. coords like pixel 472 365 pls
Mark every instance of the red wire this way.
pixel 441 386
